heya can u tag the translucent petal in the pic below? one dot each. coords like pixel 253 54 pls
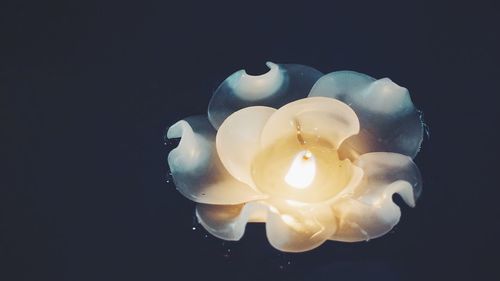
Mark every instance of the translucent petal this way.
pixel 317 118
pixel 389 121
pixel 370 212
pixel 196 169
pixel 282 84
pixel 290 227
pixel 297 228
pixel 383 168
pixel 228 222
pixel 238 140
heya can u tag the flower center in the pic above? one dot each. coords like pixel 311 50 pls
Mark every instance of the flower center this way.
pixel 302 168
pixel 302 171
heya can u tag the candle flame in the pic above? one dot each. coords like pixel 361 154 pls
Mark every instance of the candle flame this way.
pixel 302 171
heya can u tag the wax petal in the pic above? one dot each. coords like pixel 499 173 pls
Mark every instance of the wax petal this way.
pixel 320 118
pixel 238 140
pixel 389 120
pixel 290 227
pixel 282 84
pixel 228 222
pixel 370 211
pixel 293 227
pixel 197 170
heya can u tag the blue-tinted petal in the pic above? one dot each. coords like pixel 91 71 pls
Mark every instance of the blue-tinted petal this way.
pixel 282 84
pixel 389 121
pixel 370 212
pixel 197 170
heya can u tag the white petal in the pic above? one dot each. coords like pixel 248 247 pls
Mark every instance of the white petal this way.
pixel 389 120
pixel 384 168
pixel 317 118
pixel 281 85
pixel 370 212
pixel 238 140
pixel 228 222
pixel 196 169
pixel 299 228
pixel 290 227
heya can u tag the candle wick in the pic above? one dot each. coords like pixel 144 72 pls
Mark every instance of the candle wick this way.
pixel 307 155
pixel 299 132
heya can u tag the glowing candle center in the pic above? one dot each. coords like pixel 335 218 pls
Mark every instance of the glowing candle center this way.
pixel 302 171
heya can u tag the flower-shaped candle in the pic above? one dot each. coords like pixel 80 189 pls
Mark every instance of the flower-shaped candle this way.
pixel 315 157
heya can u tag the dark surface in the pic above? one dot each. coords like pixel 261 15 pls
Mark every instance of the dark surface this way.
pixel 87 89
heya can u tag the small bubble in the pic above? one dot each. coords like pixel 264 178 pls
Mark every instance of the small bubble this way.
pixel 206 236
pixel 194 227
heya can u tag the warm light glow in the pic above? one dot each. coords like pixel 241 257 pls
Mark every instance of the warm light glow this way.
pixel 302 171
pixel 314 157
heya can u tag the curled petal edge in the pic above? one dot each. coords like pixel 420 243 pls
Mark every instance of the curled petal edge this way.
pixel 389 120
pixel 370 212
pixel 196 169
pixel 283 83
pixel 289 227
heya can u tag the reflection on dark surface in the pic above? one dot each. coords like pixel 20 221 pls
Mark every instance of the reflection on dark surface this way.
pixel 87 90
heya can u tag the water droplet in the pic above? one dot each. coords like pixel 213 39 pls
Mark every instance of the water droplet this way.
pixel 427 131
pixel 194 227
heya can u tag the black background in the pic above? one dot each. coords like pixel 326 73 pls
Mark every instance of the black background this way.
pixel 88 89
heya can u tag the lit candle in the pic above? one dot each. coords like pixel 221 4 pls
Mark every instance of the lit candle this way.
pixel 303 168
pixel 302 171
pixel 314 157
